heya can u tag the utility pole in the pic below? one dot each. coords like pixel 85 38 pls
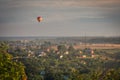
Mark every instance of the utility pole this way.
pixel 85 40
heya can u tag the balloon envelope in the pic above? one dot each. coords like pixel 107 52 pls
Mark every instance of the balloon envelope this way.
pixel 39 19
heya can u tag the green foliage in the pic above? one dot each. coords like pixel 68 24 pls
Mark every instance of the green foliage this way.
pixel 3 46
pixel 62 48
pixel 72 66
pixel 71 49
pixel 9 69
pixel 108 74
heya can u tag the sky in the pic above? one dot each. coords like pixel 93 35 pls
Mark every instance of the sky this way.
pixel 60 17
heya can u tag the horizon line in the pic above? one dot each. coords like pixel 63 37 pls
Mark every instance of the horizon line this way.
pixel 61 36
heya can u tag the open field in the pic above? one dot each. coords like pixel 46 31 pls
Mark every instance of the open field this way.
pixel 97 46
pixel 93 46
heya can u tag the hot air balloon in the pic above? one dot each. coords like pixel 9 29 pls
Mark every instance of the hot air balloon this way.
pixel 39 19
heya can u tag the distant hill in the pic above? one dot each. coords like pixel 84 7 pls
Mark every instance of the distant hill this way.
pixel 115 40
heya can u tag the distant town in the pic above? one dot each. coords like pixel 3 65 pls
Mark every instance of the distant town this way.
pixel 68 58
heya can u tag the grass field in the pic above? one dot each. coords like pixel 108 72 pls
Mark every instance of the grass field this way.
pixel 97 46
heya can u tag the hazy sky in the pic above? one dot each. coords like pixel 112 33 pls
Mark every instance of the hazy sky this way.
pixel 60 17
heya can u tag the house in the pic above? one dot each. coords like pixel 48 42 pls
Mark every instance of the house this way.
pixel 92 52
pixel 92 55
pixel 84 56
pixel 42 54
pixel 80 52
pixel 31 54
pixel 61 56
pixel 66 52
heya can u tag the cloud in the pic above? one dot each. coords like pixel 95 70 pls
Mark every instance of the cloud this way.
pixel 100 7
pixel 62 3
pixel 18 16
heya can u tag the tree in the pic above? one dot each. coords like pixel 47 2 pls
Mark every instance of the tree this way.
pixel 71 48
pixel 9 69
pixel 62 48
